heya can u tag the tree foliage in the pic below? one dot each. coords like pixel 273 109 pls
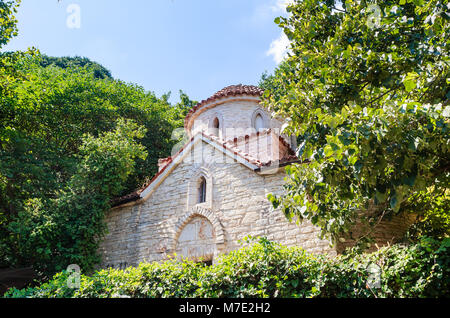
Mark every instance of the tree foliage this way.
pixel 66 229
pixel 67 148
pixel 365 89
pixel 8 29
pixel 266 269
pixel 44 119
pixel 8 21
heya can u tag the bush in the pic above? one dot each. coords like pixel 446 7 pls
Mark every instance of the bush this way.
pixel 266 269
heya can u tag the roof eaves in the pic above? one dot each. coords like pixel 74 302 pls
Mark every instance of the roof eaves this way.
pixel 179 156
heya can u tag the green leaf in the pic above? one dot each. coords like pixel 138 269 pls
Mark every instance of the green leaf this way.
pixel 410 81
pixel 410 180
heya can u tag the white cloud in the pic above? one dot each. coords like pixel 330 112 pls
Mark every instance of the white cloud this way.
pixel 280 46
pixel 265 12
pixel 280 5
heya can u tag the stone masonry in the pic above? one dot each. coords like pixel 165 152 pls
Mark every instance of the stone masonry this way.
pixel 240 166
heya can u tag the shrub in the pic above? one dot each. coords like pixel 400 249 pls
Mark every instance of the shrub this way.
pixel 265 269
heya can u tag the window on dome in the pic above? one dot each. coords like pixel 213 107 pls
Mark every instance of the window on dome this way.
pixel 259 122
pixel 216 126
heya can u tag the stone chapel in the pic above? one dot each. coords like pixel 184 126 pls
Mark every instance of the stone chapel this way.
pixel 213 191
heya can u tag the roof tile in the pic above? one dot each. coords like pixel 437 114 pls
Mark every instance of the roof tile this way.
pixel 232 90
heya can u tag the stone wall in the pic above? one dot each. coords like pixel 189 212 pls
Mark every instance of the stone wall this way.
pixel 387 231
pixel 235 117
pixel 236 206
pixel 171 219
pixel 150 230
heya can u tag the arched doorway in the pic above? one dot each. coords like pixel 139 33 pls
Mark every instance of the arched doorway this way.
pixel 197 240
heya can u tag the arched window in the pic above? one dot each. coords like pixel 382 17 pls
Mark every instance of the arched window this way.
pixel 216 126
pixel 259 122
pixel 202 190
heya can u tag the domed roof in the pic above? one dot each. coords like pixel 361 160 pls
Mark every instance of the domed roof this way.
pixel 229 91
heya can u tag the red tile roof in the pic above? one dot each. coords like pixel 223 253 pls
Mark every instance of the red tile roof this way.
pixel 265 132
pixel 229 91
pixel 228 145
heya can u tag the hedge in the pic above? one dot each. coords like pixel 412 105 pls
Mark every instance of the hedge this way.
pixel 266 269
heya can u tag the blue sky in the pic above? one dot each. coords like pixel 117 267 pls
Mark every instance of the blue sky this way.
pixel 199 46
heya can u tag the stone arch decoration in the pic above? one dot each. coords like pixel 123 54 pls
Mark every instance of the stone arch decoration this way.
pixel 214 233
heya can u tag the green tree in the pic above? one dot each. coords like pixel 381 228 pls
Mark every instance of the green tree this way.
pixel 8 21
pixel 8 29
pixel 365 89
pixel 183 107
pixel 99 71
pixel 67 229
pixel 43 121
pixel 273 84
pixel 67 148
